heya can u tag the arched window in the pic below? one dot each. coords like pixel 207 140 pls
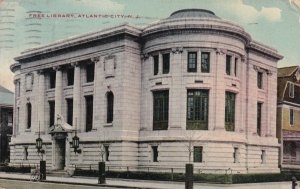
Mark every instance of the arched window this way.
pixel 28 115
pixel 110 107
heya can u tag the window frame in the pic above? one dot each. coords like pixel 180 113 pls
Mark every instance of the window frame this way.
pixel 200 160
pixel 208 62
pixel 109 107
pixel 259 118
pixel 155 64
pixel 291 90
pixel 89 112
pixel 154 150
pixel 160 109
pixel 260 82
pixel 199 114
pixel 190 61
pixel 291 117
pixel 29 115
pixel 228 64
pixel 90 72
pixel 230 102
pixel 235 155
pixel 70 76
pixel 166 63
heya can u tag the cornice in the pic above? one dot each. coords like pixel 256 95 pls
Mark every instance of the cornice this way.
pixel 79 40
pixel 264 50
pixel 14 67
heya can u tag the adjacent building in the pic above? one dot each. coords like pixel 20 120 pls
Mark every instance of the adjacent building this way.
pixel 6 121
pixel 288 116
pixel 189 88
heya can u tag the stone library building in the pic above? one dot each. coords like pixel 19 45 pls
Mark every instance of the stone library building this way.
pixel 192 87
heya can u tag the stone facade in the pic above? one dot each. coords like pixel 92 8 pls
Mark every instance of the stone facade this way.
pixel 136 63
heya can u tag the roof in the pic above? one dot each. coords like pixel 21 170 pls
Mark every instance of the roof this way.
pixel 286 71
pixel 183 13
pixel 6 97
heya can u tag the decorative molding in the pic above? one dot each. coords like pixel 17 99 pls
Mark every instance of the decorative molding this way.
pixel 177 50
pixel 95 59
pixel 74 64
pixel 145 56
pixel 41 71
pixel 57 68
pixel 221 51
pixel 109 65
pixel 29 77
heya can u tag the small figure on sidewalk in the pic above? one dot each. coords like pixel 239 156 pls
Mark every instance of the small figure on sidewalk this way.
pixel 294 182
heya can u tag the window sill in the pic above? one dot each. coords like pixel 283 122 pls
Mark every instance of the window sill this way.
pixel 108 125
pixel 68 87
pixel 27 130
pixel 88 84
pixel 50 90
pixel 160 76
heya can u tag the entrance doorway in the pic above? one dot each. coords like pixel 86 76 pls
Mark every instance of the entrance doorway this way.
pixel 60 154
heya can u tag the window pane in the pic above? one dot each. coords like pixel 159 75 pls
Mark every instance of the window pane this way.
pixel 166 63
pixel 198 153
pixel 156 64
pixel 155 153
pixel 52 78
pixel 205 56
pixel 70 111
pixel 192 62
pixel 28 116
pixel 259 106
pixel 197 109
pixel 228 64
pixel 70 76
pixel 160 110
pixel 259 80
pixel 291 117
pixel 229 111
pixel 89 113
pixel 110 107
pixel 51 112
pixel 90 69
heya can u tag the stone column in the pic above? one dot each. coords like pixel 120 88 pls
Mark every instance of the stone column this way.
pixel 76 96
pixel 160 64
pixel 58 92
pixel 95 60
pixel 219 98
pixel 41 101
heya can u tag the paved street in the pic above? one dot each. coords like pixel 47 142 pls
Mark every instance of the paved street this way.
pixel 91 183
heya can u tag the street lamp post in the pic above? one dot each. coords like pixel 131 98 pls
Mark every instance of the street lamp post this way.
pixel 39 146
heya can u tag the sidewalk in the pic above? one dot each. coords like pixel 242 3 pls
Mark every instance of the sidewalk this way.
pixel 145 184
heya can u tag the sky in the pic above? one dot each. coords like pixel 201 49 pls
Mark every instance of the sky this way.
pixel 275 23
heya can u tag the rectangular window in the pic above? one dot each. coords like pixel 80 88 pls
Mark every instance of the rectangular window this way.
pixel 90 69
pixel 236 155
pixel 259 80
pixel 106 148
pixel 25 153
pixel 235 66
pixel 198 150
pixel 155 64
pixel 89 113
pixel 192 62
pixel 229 111
pixel 259 114
pixel 29 111
pixel 160 110
pixel 197 109
pixel 291 90
pixel 205 62
pixel 155 153
pixel 228 64
pixel 70 111
pixel 70 76
pixel 52 78
pixel 51 112
pixel 166 63
pixel 291 117
pixel 263 156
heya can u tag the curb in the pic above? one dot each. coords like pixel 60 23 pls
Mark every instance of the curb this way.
pixel 79 184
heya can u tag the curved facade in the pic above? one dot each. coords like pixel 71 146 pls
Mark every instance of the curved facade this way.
pixel 191 87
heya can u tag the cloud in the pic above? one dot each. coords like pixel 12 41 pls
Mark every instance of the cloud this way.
pixel 271 14
pixel 248 13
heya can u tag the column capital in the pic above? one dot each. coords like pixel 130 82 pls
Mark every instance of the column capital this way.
pixel 41 71
pixel 95 59
pixel 74 64
pixel 221 51
pixel 57 68
pixel 145 56
pixel 177 50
